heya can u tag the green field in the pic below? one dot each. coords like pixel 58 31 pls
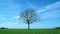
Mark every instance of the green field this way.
pixel 31 31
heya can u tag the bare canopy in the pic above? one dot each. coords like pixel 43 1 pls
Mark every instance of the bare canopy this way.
pixel 29 16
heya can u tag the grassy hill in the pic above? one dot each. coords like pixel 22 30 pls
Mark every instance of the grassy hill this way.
pixel 31 31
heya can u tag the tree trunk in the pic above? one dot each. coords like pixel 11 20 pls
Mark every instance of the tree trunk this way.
pixel 28 26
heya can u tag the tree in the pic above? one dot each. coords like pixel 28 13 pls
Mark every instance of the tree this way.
pixel 57 28
pixel 2 28
pixel 29 16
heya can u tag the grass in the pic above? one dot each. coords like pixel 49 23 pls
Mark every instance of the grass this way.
pixel 31 31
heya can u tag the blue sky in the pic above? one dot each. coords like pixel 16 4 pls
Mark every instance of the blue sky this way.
pixel 48 10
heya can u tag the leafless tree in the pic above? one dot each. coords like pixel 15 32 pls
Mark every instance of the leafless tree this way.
pixel 29 16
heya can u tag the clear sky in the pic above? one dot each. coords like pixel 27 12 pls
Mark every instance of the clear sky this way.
pixel 48 10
